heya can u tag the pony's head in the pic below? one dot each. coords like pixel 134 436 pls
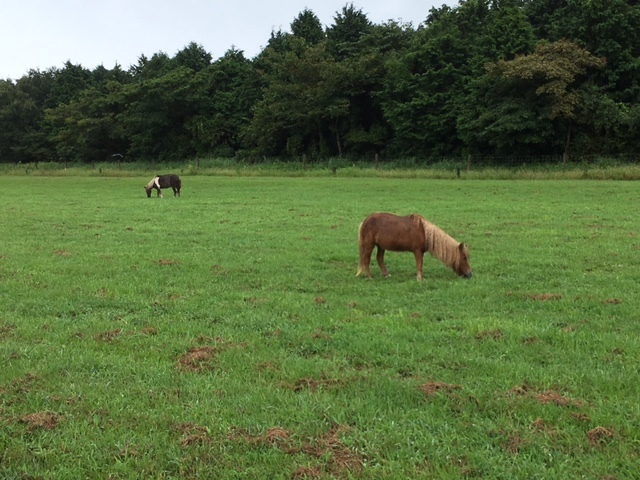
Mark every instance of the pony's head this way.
pixel 149 186
pixel 461 265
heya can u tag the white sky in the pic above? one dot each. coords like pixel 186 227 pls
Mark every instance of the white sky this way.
pixel 40 34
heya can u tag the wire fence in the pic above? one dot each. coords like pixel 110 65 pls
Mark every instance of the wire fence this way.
pixel 459 163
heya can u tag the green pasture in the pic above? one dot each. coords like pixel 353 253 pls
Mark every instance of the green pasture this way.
pixel 224 334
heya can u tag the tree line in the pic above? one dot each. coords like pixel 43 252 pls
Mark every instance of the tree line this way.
pixel 487 77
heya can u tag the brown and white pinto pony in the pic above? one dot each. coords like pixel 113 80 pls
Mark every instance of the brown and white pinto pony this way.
pixel 412 233
pixel 164 181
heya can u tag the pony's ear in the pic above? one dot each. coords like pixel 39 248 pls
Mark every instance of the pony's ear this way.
pixel 461 246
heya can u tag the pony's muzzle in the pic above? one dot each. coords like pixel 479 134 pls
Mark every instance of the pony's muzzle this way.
pixel 467 275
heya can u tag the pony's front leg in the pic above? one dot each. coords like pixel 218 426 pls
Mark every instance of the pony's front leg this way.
pixel 159 194
pixel 419 259
pixel 380 258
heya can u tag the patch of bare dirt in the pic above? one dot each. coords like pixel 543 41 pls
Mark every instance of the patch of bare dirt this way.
pixel 489 335
pixel 336 459
pixel 551 396
pixel 149 331
pixel 543 297
pixel 192 434
pixel 109 336
pixel 600 436
pixel 218 270
pixel 313 384
pixel 431 388
pixel 198 359
pixel 519 390
pixel 23 384
pixel 544 397
pixel 307 472
pixel 341 459
pixel 102 293
pixel 40 420
pixel 61 253
pixel 276 436
pixel 581 417
pixel 203 357
pixel 542 426
pixel 163 262
pixel 6 330
pixel 319 334
pixel 613 301
pixel 513 443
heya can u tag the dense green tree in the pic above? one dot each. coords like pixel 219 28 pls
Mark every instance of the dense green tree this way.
pixel 502 120
pixel 19 118
pixel 193 56
pixel 507 32
pixel 301 105
pixel 348 28
pixel 365 130
pixel 147 68
pixel 102 76
pixel 68 83
pixel 88 129
pixel 425 85
pixel 22 138
pixel 157 115
pixel 607 28
pixel 556 72
pixel 228 91
pixel 492 117
pixel 307 26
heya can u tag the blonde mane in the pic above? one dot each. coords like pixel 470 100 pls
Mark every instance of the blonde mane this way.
pixel 153 181
pixel 439 244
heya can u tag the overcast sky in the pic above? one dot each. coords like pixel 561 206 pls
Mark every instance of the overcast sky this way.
pixel 40 34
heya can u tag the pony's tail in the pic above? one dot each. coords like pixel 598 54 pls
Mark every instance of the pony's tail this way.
pixel 360 250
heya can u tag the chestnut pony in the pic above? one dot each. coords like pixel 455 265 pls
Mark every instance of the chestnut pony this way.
pixel 164 181
pixel 412 233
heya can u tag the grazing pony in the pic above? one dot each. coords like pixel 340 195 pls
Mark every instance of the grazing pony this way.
pixel 414 234
pixel 164 181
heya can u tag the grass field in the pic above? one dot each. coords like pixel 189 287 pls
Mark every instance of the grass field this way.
pixel 224 334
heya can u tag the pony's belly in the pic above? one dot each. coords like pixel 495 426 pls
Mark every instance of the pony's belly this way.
pixel 395 246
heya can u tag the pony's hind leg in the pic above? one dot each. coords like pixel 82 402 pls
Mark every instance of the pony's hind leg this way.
pixel 380 258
